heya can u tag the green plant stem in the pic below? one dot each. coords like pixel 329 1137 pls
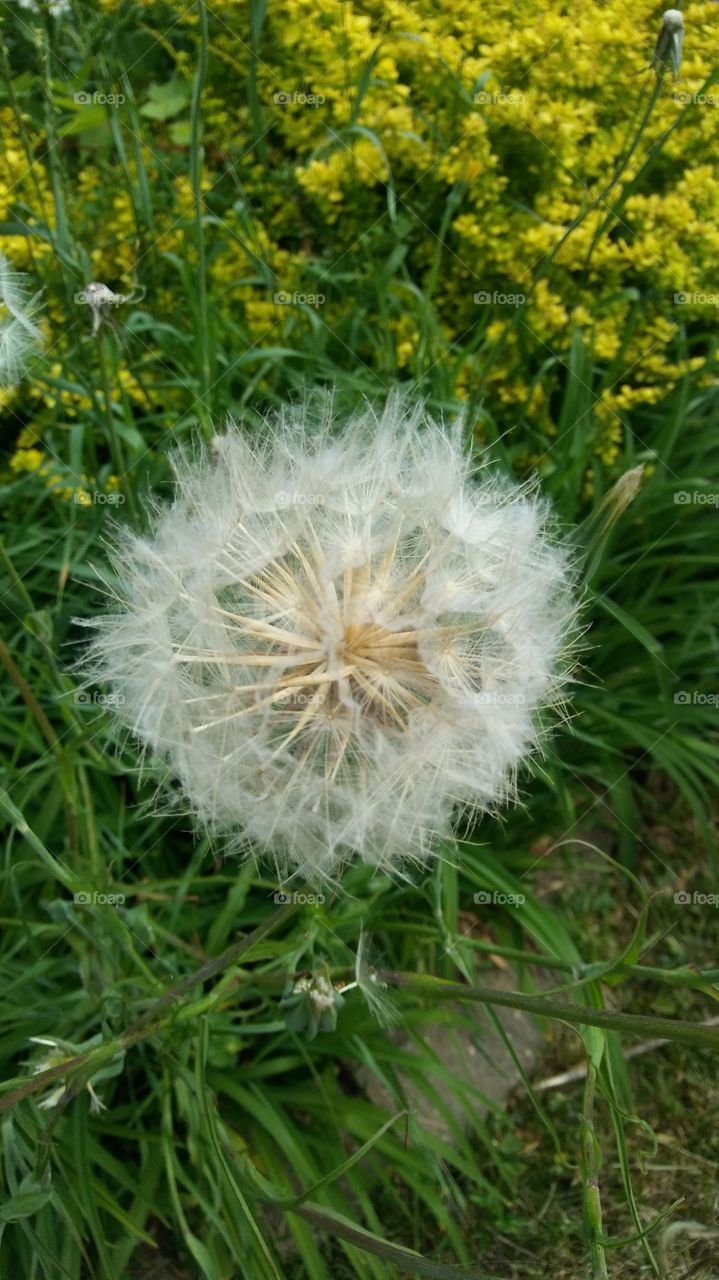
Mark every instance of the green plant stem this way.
pixel 546 261
pixel 17 819
pixel 212 967
pixel 684 976
pixel 634 1024
pixel 15 578
pixel 422 985
pixel 116 451
pixel 590 1178
pixel 203 337
pixel 623 162
pixel 29 698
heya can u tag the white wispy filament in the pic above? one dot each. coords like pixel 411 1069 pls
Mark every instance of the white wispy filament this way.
pixel 19 335
pixel 337 634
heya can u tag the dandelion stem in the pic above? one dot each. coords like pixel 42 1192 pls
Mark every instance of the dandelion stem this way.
pixel 212 967
pixel 669 1029
pixel 546 261
pixel 634 1024
pixel 28 696
pixel 590 1178
pixel 202 327
pixel 116 451
pixel 15 578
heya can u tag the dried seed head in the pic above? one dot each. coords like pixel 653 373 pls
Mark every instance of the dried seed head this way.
pixel 335 637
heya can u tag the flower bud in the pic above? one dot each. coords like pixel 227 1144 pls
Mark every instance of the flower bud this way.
pixel 669 44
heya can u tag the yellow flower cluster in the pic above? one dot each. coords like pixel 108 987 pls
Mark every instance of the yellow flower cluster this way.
pixel 56 477
pixel 494 135
pixel 466 189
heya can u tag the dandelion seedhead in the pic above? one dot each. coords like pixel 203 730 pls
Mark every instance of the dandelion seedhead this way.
pixel 19 335
pixel 336 635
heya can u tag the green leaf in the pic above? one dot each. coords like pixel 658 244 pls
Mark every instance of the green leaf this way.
pixel 166 100
pixel 86 118
pixel 25 1202
pixel 181 133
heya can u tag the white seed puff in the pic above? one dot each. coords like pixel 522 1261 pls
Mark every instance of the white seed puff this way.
pixel 337 634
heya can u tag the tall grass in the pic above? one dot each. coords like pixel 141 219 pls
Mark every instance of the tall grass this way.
pixel 230 1144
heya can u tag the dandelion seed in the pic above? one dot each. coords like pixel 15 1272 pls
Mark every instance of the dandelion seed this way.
pixel 102 301
pixel 374 991
pixel 334 639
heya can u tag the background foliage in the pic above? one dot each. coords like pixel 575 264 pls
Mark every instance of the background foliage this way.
pixel 355 194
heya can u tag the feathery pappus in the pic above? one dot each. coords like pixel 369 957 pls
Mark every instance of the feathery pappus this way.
pixel 337 634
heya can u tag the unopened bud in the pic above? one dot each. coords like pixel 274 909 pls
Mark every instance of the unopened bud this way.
pixel 671 38
pixel 624 492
